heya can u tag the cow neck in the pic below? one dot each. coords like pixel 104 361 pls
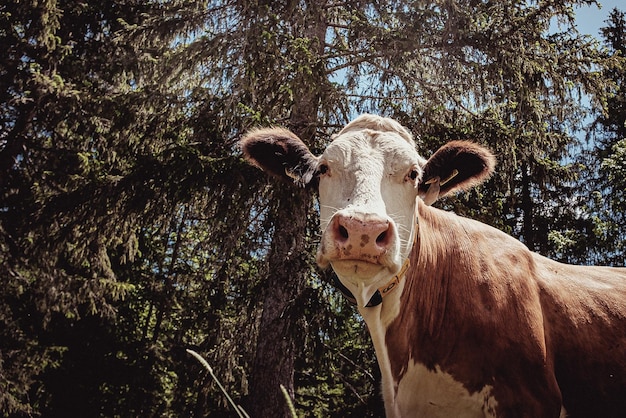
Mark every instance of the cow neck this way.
pixel 377 297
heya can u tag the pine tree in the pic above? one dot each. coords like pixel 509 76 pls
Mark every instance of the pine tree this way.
pixel 131 229
pixel 605 241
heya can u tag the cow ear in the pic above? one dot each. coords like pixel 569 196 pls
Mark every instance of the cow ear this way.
pixel 455 166
pixel 280 153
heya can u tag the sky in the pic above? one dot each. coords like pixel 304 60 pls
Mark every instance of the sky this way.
pixel 590 19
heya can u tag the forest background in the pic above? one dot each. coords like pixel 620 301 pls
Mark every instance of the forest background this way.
pixel 131 229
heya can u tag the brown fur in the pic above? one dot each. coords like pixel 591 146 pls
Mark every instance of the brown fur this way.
pixel 473 162
pixel 481 307
pixel 281 153
pixel 488 311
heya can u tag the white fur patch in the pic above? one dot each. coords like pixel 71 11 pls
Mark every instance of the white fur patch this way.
pixel 425 393
pixel 367 176
pixel 421 392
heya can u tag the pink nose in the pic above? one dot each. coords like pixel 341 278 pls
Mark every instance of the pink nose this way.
pixel 362 236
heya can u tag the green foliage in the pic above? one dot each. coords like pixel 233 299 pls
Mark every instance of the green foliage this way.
pixel 615 165
pixel 240 412
pixel 351 381
pixel 606 213
pixel 131 230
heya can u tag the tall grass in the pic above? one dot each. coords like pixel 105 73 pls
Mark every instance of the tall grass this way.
pixel 238 408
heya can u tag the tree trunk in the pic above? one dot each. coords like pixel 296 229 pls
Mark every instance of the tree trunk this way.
pixel 279 335
pixel 289 261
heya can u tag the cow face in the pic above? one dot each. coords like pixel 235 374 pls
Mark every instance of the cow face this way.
pixel 369 178
pixel 368 184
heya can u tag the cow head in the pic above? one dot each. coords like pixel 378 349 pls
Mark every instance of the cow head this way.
pixel 369 178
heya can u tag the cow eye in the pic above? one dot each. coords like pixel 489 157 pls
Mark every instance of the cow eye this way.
pixel 413 175
pixel 322 169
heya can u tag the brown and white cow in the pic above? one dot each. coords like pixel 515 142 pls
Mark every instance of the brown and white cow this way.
pixel 465 320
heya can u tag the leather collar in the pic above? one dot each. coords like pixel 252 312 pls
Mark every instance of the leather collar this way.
pixel 377 298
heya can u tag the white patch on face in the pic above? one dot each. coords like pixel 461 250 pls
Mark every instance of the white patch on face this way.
pixel 369 175
pixel 425 393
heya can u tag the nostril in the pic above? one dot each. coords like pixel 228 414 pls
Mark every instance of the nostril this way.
pixel 361 235
pixel 343 232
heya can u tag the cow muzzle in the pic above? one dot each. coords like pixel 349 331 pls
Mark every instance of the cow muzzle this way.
pixel 359 241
